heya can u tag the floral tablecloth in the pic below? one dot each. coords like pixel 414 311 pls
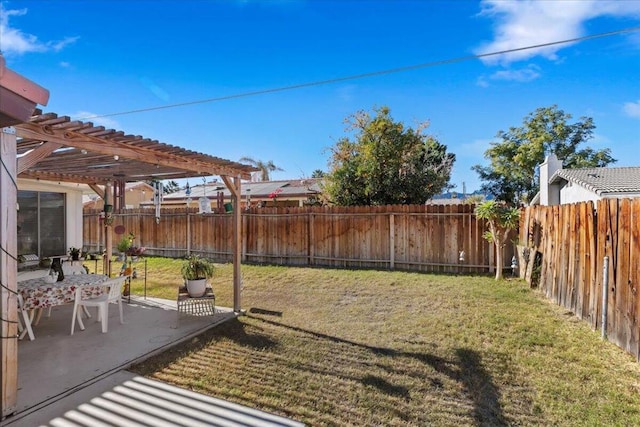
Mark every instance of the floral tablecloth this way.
pixel 37 293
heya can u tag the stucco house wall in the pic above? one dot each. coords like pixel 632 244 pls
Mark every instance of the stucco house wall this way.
pixel 574 193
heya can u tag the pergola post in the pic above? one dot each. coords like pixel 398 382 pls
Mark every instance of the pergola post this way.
pixel 237 247
pixel 108 235
pixel 234 187
pixel 8 272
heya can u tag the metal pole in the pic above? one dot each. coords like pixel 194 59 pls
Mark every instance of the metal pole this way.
pixel 605 296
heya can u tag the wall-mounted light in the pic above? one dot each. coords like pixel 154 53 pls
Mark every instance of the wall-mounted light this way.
pixel 116 157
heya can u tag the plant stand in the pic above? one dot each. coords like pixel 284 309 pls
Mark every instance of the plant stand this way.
pixel 200 306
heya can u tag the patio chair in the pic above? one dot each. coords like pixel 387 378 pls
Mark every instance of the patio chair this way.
pixel 69 269
pixel 113 294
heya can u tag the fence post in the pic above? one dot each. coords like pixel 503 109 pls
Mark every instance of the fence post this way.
pixel 245 227
pixel 392 242
pixel 605 296
pixel 311 239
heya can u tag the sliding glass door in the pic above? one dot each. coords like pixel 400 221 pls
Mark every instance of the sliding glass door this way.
pixel 41 223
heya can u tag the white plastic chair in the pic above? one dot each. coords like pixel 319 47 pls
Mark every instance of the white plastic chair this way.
pixel 70 269
pixel 112 294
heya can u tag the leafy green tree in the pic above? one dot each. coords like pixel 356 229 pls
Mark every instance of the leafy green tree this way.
pixel 265 168
pixel 318 173
pixel 386 163
pixel 501 219
pixel 512 174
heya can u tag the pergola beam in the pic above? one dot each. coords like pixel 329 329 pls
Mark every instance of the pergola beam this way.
pixel 32 158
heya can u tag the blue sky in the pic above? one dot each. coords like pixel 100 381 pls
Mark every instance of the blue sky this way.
pixel 103 57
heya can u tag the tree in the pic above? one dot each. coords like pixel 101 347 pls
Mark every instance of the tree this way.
pixel 265 167
pixel 169 187
pixel 512 174
pixel 501 219
pixel 386 163
pixel 318 173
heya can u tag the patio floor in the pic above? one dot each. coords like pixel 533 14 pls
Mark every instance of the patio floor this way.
pixel 57 371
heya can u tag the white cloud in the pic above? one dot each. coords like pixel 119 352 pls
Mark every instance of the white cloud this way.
pixel 527 74
pixel 524 23
pixel 482 81
pixel 521 75
pixel 15 42
pixel 61 44
pixel 107 122
pixel 632 109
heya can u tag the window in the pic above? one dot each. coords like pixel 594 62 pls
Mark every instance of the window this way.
pixel 41 223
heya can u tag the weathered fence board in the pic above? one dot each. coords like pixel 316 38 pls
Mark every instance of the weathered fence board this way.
pixel 574 241
pixel 417 238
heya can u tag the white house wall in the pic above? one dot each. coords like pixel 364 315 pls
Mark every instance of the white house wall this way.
pixel 573 193
pixel 73 214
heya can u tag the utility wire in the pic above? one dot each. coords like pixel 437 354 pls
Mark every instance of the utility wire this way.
pixel 371 74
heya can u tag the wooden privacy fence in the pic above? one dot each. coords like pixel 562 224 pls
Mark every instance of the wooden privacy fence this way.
pixel 419 238
pixel 574 241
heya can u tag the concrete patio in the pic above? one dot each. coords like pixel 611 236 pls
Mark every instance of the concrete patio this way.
pixel 63 377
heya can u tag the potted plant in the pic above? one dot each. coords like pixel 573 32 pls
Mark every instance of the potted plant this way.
pixel 123 246
pixel 75 253
pixel 195 271
pixel 136 251
pixel 45 262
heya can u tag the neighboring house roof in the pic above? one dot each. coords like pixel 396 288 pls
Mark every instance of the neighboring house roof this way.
pixel 257 189
pixel 455 198
pixel 602 181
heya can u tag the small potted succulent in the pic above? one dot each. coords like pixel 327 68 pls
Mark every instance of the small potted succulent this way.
pixel 195 271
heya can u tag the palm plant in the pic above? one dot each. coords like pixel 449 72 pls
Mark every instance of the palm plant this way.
pixel 265 168
pixel 501 219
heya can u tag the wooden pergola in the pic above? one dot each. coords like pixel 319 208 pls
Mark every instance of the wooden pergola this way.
pixel 56 148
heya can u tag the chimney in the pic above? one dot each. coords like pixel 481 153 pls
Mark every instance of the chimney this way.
pixel 549 195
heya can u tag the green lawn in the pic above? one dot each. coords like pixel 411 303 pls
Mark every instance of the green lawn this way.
pixel 368 348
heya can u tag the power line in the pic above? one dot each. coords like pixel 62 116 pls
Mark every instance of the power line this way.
pixel 370 74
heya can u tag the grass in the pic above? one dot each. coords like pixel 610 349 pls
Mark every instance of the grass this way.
pixel 342 348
